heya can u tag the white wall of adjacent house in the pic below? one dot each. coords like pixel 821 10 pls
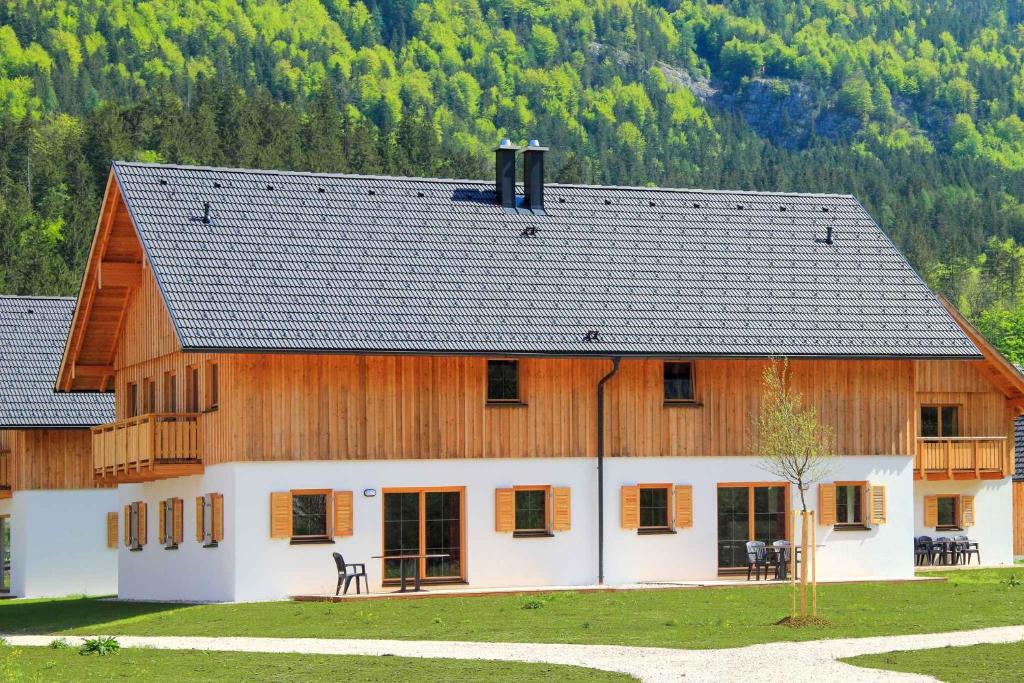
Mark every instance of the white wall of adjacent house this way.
pixel 59 543
pixel 993 509
pixel 250 565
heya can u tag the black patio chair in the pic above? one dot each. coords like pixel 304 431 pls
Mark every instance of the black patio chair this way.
pixel 965 547
pixel 757 558
pixel 347 572
pixel 922 550
pixel 943 550
pixel 780 558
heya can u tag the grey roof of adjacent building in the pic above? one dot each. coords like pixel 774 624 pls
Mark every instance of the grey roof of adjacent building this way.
pixel 33 331
pixel 302 262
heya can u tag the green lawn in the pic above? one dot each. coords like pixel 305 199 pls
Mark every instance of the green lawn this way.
pixel 684 618
pixel 45 664
pixel 974 664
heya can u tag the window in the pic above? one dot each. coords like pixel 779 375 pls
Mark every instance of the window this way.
pixel 210 519
pixel 531 504
pixel 948 512
pixel 503 381
pixel 170 392
pixel 212 386
pixel 939 421
pixel 148 396
pixel 135 527
pixel 654 509
pixel 679 382
pixel 133 400
pixel 309 515
pixel 192 389
pixel 850 504
pixel 170 528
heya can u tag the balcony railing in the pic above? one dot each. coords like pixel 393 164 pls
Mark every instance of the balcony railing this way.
pixel 963 457
pixel 147 447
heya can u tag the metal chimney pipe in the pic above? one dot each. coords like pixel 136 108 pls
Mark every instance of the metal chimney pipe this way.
pixel 533 176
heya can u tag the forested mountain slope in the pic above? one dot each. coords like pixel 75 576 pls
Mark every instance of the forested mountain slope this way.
pixel 915 106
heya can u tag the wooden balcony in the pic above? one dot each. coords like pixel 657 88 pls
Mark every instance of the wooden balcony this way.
pixel 148 447
pixel 963 457
pixel 5 474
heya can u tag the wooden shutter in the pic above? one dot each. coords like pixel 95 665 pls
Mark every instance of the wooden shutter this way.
pixel 877 504
pixel 112 530
pixel 200 529
pixel 128 525
pixel 827 504
pixel 178 524
pixel 217 516
pixel 561 508
pixel 931 511
pixel 630 507
pixel 143 532
pixel 966 511
pixel 684 507
pixel 343 513
pixel 504 510
pixel 281 515
pixel 161 537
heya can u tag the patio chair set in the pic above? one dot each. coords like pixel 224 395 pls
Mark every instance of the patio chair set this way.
pixel 772 559
pixel 945 550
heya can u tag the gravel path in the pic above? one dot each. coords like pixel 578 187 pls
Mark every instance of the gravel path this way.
pixel 810 661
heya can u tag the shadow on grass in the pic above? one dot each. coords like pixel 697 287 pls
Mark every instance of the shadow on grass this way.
pixel 51 616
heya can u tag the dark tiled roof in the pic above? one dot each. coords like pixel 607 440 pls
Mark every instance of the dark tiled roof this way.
pixel 32 335
pixel 1018 449
pixel 310 262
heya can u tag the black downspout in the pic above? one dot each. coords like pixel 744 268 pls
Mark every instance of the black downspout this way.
pixel 600 468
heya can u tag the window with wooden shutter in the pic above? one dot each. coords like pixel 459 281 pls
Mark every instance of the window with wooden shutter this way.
pixel 143 530
pixel 504 510
pixel 684 507
pixel 216 517
pixel 127 526
pixel 200 514
pixel 561 508
pixel 877 502
pixel 112 530
pixel 161 529
pixel 343 523
pixel 931 511
pixel 630 499
pixel 827 504
pixel 966 511
pixel 281 514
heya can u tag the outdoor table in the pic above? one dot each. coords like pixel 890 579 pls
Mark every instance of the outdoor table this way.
pixel 782 567
pixel 401 568
pixel 947 549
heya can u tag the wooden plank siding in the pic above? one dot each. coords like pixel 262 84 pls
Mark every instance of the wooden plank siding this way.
pixel 49 459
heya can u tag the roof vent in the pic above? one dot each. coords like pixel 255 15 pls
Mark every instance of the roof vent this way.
pixel 739 206
pixel 163 181
pixel 321 190
pixel 651 203
pixel 824 209
pixel 828 235
pixel 206 213
pixel 782 208
pixel 592 336
pixel 696 205
pixel 270 187
pixel 216 183
pixel 420 194
pixel 529 231
pixel 505 174
pixel 607 202
pixel 372 192
pixel 533 176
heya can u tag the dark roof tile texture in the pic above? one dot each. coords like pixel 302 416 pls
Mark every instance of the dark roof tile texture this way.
pixel 313 262
pixel 33 331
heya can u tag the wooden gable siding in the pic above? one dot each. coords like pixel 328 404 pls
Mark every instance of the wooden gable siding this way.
pixel 148 332
pixel 380 407
pixel 49 458
pixel 984 408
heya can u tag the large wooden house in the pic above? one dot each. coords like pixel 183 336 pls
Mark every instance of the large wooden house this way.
pixel 54 514
pixel 531 385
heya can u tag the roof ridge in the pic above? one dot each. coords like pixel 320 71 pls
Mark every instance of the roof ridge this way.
pixel 478 181
pixel 36 297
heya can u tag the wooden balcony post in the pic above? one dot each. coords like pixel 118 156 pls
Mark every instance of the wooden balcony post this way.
pixel 949 459
pixel 977 463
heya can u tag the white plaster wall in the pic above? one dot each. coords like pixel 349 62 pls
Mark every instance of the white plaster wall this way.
pixel 191 571
pixel 883 551
pixel 993 509
pixel 249 565
pixel 59 543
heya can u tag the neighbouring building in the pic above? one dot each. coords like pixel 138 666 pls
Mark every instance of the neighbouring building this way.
pixel 55 518
pixel 308 363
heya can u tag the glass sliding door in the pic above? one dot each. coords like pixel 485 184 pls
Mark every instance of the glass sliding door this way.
pixel 425 521
pixel 749 512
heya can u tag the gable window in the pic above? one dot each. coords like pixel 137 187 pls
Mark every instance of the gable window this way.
pixel 678 378
pixel 133 399
pixel 503 381
pixel 850 504
pixel 948 517
pixel 170 392
pixel 654 510
pixel 192 389
pixel 309 515
pixel 212 386
pixel 939 421
pixel 148 396
pixel 531 505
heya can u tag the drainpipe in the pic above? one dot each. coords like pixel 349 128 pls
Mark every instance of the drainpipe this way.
pixel 600 468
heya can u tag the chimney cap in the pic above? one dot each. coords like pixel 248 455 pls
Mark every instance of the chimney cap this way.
pixel 534 146
pixel 506 144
